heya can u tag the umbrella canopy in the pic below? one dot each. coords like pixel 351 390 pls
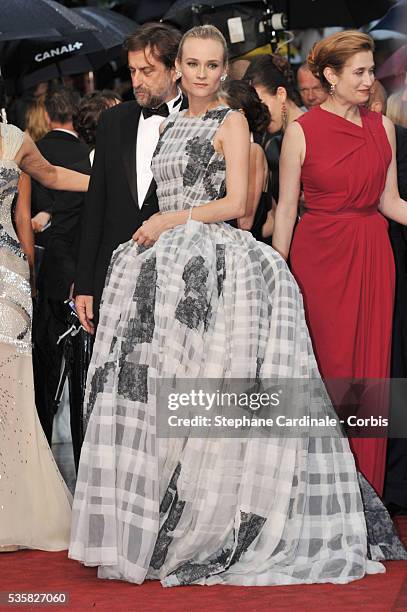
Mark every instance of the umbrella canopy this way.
pixel 392 72
pixel 301 14
pixel 395 19
pixel 39 19
pixel 145 10
pixel 304 14
pixel 395 65
pixel 35 60
pixel 111 25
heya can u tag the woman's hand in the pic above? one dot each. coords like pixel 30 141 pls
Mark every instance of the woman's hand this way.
pixel 152 229
pixel 40 221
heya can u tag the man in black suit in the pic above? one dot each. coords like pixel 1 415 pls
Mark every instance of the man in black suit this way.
pixel 62 147
pixel 122 191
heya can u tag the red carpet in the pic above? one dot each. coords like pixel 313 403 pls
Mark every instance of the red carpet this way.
pixel 37 571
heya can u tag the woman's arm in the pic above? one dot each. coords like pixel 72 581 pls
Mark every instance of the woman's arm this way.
pixel 23 223
pixel 258 170
pixel 291 159
pixel 233 140
pixel 391 203
pixel 30 160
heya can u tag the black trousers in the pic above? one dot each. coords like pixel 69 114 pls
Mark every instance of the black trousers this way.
pixel 54 363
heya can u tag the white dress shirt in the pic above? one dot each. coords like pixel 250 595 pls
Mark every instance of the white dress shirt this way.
pixel 66 132
pixel 147 139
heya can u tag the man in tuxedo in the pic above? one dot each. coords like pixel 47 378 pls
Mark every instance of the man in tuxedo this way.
pixel 122 191
pixel 61 146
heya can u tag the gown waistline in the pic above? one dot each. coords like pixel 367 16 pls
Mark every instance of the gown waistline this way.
pixel 351 214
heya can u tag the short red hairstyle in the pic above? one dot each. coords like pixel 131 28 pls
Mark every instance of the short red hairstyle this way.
pixel 335 50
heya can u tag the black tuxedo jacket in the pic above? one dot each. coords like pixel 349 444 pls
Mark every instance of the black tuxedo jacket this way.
pixel 58 267
pixel 112 213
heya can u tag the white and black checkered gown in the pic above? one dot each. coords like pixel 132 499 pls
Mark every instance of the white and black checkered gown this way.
pixel 206 300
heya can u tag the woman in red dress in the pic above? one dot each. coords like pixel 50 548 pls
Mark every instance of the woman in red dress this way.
pixel 340 255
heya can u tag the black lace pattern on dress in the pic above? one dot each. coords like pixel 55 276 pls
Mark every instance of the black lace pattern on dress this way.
pixel 190 572
pixel 250 526
pixel 212 190
pixel 218 114
pixel 144 295
pixel 383 541
pixel 98 382
pixel 132 382
pixel 220 266
pixel 161 139
pixel 133 377
pixel 200 152
pixel 169 503
pixel 194 308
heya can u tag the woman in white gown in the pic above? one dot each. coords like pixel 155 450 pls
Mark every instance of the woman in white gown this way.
pixel 35 504
pixel 208 300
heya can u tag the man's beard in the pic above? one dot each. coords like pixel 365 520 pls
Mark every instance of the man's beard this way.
pixel 150 101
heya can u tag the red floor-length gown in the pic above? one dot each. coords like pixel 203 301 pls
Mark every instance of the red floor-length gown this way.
pixel 342 258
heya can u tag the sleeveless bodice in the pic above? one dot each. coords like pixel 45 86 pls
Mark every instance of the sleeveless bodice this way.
pixel 15 292
pixel 187 169
pixel 9 175
pixel 345 165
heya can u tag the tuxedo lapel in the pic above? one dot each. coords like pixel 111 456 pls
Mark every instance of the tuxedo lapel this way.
pixel 150 191
pixel 129 130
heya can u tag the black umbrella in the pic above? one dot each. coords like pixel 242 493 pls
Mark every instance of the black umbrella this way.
pixel 302 14
pixel 395 19
pixel 21 19
pixel 37 60
pixel 145 10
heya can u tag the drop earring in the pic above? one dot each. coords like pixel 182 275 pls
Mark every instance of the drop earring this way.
pixel 223 77
pixel 284 116
pixel 332 89
pixel 178 74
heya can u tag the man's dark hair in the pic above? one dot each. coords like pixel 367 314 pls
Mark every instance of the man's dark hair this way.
pixel 159 38
pixel 62 104
pixel 111 96
pixel 86 121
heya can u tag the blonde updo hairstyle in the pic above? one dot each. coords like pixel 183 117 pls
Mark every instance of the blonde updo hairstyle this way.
pixel 205 32
pixel 334 51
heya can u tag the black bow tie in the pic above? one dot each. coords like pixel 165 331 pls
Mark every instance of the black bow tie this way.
pixel 161 110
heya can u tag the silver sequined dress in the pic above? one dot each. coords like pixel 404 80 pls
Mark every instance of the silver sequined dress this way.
pixel 35 504
pixel 208 300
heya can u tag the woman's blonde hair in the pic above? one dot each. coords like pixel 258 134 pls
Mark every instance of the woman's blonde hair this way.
pixel 36 123
pixel 205 32
pixel 397 109
pixel 335 50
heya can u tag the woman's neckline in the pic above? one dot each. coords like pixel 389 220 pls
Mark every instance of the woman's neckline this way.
pixel 360 127
pixel 209 110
